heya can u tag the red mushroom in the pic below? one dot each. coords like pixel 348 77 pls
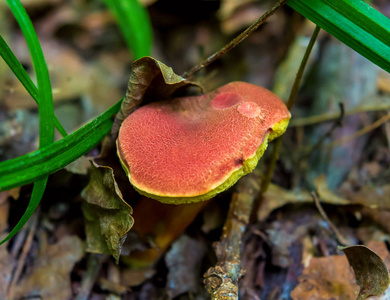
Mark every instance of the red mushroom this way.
pixel 192 148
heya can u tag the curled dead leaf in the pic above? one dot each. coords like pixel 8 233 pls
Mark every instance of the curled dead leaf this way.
pixel 370 271
pixel 107 215
pixel 150 80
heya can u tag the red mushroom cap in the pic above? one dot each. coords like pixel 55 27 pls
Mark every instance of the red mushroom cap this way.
pixel 192 148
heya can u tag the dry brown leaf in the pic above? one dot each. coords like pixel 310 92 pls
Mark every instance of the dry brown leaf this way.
pixel 370 196
pixel 370 271
pixel 108 216
pixel 276 197
pixel 332 278
pixel 134 277
pixel 69 76
pixel 326 194
pixel 50 276
pixel 326 278
pixel 79 166
pixel 383 83
pixel 150 80
pixel 4 207
pixel 183 261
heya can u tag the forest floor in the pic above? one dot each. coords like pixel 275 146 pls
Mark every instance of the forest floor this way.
pixel 339 157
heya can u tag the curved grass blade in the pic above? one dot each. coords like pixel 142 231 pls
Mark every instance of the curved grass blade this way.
pixel 17 68
pixel 36 196
pixel 47 160
pixel 355 23
pixel 46 109
pixel 135 25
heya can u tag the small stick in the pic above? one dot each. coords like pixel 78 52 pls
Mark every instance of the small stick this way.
pixel 360 132
pixel 338 235
pixel 317 145
pixel 94 264
pixel 236 40
pixel 329 116
pixel 221 281
pixel 22 258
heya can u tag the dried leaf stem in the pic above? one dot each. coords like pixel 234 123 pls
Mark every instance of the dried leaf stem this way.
pixel 235 41
pixel 338 235
pixel 221 281
pixel 275 154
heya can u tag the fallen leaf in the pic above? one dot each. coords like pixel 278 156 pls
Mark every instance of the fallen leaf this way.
pixel 108 216
pixel 241 18
pixel 50 276
pixel 326 278
pixel 276 197
pixel 4 207
pixel 332 278
pixel 69 75
pixel 370 196
pixel 370 271
pixel 112 287
pixel 79 166
pixel 324 192
pixel 383 83
pixel 183 261
pixel 150 80
pixel 134 277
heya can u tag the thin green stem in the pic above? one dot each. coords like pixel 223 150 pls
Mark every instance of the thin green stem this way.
pixel 290 102
pixel 298 78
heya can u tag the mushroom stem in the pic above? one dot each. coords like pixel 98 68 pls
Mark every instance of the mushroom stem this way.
pixel 160 225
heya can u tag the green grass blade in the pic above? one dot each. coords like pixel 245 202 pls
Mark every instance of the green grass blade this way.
pixel 17 68
pixel 46 109
pixel 36 196
pixel 135 25
pixel 47 160
pixel 353 22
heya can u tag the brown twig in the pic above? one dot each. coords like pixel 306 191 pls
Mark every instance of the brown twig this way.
pixel 329 116
pixel 221 281
pixel 338 235
pixel 22 258
pixel 338 123
pixel 275 154
pixel 235 41
pixel 94 264
pixel 360 132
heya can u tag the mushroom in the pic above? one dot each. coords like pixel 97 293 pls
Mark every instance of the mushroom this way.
pixel 192 148
pixel 189 149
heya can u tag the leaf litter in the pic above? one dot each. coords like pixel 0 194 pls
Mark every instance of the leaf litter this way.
pixel 289 248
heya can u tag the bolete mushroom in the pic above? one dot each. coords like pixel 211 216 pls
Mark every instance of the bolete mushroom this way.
pixel 192 148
